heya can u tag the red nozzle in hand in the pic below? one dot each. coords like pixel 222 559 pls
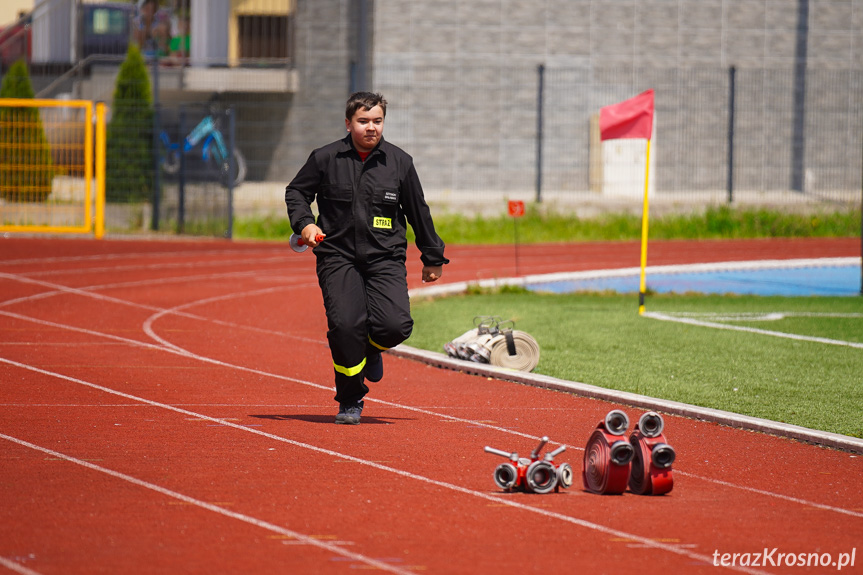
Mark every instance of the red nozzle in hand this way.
pixel 299 245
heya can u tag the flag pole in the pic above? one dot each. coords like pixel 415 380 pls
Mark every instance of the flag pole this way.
pixel 642 288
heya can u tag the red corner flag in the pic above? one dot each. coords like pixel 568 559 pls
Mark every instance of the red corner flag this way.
pixel 631 118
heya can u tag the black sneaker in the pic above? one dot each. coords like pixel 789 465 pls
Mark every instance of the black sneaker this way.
pixel 349 413
pixel 374 370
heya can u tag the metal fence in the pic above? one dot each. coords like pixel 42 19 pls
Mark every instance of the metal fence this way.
pixel 481 135
pixel 477 132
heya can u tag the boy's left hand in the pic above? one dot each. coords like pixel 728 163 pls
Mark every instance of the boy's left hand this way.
pixel 432 273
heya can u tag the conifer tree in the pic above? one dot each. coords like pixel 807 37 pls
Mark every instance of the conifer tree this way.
pixel 129 157
pixel 26 165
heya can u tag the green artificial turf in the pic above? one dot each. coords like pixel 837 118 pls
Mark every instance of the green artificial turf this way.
pixel 600 339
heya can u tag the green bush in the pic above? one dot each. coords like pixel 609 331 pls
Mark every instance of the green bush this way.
pixel 26 166
pixel 129 157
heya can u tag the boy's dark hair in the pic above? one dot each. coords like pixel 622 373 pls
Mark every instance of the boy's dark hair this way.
pixel 366 101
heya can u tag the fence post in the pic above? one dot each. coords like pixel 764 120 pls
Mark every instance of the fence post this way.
pixel 232 171
pixel 157 180
pixel 99 225
pixel 798 142
pixel 732 89
pixel 541 80
pixel 181 181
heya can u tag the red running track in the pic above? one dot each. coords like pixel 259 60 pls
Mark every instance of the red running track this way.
pixel 166 407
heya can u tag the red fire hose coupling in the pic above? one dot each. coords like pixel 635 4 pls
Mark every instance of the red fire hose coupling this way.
pixel 607 456
pixel 644 463
pixel 651 466
pixel 534 474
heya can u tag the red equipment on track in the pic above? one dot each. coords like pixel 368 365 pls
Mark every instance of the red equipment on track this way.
pixel 651 466
pixel 607 456
pixel 533 475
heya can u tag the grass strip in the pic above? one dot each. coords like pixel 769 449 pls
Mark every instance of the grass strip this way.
pixel 538 226
pixel 601 340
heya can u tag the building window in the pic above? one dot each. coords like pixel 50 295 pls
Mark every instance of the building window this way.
pixel 263 37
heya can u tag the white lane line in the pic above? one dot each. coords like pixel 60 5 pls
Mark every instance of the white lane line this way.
pixel 145 255
pixel 86 292
pixel 714 325
pixel 187 354
pixel 89 291
pixel 190 355
pixel 16 567
pixel 779 495
pixel 179 351
pixel 282 259
pixel 658 545
pixel 326 546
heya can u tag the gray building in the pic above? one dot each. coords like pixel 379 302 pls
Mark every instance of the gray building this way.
pixel 463 84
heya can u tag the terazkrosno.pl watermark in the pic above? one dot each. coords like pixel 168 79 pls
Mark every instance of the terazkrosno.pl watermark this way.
pixel 776 558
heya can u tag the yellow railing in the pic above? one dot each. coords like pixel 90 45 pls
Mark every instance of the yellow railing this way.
pixel 52 156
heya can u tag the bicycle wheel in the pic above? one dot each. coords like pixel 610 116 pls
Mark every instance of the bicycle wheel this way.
pixel 171 162
pixel 240 169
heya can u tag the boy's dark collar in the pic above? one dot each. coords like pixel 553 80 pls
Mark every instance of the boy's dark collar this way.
pixel 350 146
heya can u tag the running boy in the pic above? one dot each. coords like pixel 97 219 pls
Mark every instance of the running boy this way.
pixel 367 191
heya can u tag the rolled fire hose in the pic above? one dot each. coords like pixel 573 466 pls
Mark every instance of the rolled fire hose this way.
pixel 510 348
pixel 526 351
pixel 608 455
pixel 650 472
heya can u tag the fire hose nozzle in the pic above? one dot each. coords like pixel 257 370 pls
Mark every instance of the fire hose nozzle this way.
pixel 299 245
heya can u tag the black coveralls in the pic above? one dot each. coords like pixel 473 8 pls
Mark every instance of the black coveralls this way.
pixel 363 210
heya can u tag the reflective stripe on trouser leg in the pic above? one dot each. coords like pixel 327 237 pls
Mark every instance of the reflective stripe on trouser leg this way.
pixel 344 299
pixel 374 345
pixel 350 371
pixel 368 310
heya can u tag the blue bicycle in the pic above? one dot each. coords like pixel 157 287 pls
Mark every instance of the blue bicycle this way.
pixel 214 151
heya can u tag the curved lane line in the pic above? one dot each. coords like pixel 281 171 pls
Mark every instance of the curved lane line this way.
pixel 179 351
pixel 647 542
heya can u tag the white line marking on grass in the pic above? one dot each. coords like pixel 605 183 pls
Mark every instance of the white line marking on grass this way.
pixel 17 567
pixel 691 321
pixel 676 549
pixel 760 316
pixel 326 546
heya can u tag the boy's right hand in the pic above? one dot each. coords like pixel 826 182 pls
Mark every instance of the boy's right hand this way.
pixel 312 234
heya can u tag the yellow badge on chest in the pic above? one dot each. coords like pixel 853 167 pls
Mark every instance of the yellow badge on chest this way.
pixel 385 223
